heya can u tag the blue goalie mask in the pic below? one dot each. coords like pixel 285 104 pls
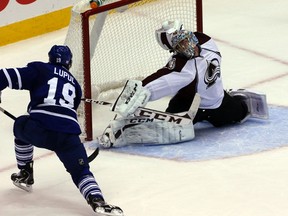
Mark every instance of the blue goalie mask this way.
pixel 60 55
pixel 184 42
pixel 173 37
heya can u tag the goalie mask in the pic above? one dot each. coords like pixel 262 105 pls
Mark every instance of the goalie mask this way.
pixel 172 36
pixel 165 33
pixel 60 55
pixel 184 42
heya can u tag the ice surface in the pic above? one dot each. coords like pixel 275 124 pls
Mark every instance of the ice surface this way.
pixel 252 37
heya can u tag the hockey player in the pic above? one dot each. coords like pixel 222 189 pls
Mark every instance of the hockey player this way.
pixel 194 67
pixel 52 124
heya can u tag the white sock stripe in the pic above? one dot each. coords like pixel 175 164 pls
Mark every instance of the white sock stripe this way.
pixel 23 146
pixel 85 180
pixel 90 187
pixel 24 156
pixel 24 149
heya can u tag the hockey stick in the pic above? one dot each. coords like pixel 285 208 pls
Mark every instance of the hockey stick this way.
pixel 90 158
pixel 93 155
pixel 151 113
pixel 7 113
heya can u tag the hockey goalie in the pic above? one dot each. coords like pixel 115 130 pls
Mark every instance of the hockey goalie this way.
pixel 193 79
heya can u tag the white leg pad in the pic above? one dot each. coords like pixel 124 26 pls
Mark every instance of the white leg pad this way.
pixel 256 102
pixel 139 130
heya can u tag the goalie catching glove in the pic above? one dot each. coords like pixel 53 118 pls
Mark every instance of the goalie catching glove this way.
pixel 133 95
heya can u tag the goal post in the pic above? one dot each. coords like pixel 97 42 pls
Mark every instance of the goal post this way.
pixel 116 42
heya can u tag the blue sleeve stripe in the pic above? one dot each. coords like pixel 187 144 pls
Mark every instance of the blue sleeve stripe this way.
pixel 19 78
pixel 8 78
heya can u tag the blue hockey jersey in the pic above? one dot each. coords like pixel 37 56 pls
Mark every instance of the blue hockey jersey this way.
pixel 54 94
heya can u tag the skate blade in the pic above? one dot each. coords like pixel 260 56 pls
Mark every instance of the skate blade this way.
pixel 113 213
pixel 25 187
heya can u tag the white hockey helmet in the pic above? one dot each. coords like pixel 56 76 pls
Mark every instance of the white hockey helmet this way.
pixel 165 33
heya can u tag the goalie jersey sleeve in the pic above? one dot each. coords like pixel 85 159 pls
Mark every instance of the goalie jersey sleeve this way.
pixel 54 94
pixel 183 76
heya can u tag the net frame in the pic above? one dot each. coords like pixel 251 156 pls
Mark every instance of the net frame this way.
pixel 86 63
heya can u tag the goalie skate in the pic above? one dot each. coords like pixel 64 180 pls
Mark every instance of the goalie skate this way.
pixel 104 140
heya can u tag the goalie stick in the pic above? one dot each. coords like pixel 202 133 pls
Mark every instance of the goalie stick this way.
pixel 90 158
pixel 186 118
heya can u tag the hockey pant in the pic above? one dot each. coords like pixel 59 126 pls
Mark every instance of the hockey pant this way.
pixel 236 107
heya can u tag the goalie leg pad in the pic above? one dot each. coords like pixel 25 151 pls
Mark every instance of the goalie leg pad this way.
pixel 139 130
pixel 256 103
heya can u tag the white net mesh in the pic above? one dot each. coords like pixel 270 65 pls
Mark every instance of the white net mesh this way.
pixel 122 42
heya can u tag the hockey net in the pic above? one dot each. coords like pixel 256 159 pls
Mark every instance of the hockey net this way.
pixel 116 42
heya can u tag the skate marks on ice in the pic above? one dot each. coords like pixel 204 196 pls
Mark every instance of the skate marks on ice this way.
pixel 251 137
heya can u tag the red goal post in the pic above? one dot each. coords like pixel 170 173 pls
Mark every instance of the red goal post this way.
pixel 116 42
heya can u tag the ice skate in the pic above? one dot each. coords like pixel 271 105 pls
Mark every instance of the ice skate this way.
pixel 101 208
pixel 24 178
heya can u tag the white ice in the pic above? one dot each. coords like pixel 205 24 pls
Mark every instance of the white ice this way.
pixel 252 36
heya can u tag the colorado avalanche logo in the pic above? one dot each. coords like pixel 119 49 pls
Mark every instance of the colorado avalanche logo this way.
pixel 212 73
pixel 171 64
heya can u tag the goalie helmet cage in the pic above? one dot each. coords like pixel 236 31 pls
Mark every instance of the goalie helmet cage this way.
pixel 116 42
